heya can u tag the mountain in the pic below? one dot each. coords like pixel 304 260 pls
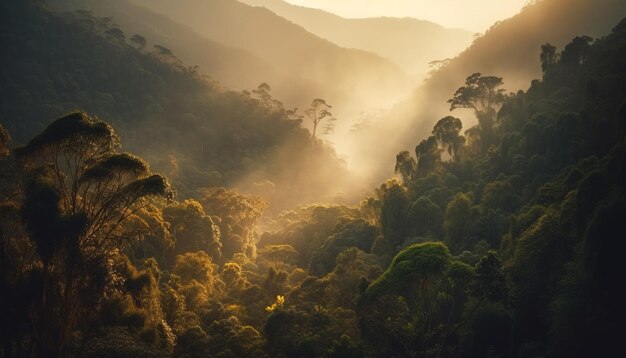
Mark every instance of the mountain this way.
pixel 193 130
pixel 235 68
pixel 509 49
pixel 346 76
pixel 411 43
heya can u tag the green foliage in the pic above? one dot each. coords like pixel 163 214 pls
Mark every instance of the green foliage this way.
pixel 308 228
pixel 411 270
pixel 534 182
pixel 78 196
pixel 347 234
pixel 97 259
pixel 236 215
pixel 353 269
pixel 192 230
pixel 393 218
pixel 446 131
pixel 278 254
pixel 426 218
pixel 480 93
pixel 457 221
pixel 428 156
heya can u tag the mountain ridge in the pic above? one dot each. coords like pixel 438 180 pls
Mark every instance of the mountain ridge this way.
pixel 509 49
pixel 345 75
pixel 415 42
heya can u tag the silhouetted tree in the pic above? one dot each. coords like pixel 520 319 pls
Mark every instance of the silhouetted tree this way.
pixel 116 34
pixel 138 41
pixel 482 94
pixel 318 112
pixel 405 166
pixel 577 51
pixel 77 200
pixel 428 156
pixel 447 133
pixel 548 57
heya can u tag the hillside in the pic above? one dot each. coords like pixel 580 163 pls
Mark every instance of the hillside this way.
pixel 347 77
pixel 510 49
pixel 415 42
pixel 188 127
pixel 235 68
pixel 499 239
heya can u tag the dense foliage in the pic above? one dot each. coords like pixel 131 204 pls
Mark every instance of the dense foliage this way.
pixel 500 241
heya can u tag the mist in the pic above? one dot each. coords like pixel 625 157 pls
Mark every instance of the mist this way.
pixel 386 95
pixel 251 178
pixel 509 49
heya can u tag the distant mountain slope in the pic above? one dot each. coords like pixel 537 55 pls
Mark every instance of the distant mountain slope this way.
pixel 510 49
pixel 411 43
pixel 236 68
pixel 193 130
pixel 346 75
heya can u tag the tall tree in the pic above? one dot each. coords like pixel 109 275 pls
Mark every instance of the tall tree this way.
pixel 405 166
pixel 318 112
pixel 484 95
pixel 428 156
pixel 79 194
pixel 446 131
pixel 548 57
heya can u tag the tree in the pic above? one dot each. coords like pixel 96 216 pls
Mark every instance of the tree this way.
pixel 490 281
pixel 405 166
pixel 412 271
pixel 78 195
pixel 138 41
pixel 263 93
pixel 548 57
pixel 482 94
pixel 446 131
pixel 193 230
pixel 394 223
pixel 279 255
pixel 457 220
pixel 358 234
pixel 423 289
pixel 425 217
pixel 116 34
pixel 428 156
pixel 577 51
pixel 317 113
pixel 236 215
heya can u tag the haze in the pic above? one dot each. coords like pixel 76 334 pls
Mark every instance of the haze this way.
pixel 255 178
pixel 476 15
pixel 372 83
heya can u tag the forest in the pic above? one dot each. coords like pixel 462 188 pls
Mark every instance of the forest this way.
pixel 146 210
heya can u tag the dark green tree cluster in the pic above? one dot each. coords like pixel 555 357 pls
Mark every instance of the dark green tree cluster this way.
pixel 540 179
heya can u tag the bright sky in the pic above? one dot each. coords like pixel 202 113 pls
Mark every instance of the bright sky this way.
pixel 474 15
